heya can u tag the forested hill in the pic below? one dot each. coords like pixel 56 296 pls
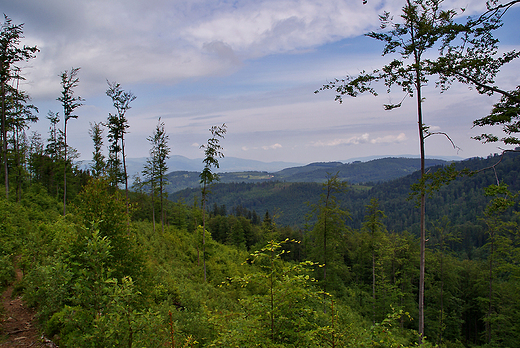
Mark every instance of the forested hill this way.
pixel 374 171
pixel 462 201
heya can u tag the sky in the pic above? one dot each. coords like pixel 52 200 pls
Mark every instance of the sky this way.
pixel 251 64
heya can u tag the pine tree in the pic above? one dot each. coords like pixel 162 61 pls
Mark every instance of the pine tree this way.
pixel 98 159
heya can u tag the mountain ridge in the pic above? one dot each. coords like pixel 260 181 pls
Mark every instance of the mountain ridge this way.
pixel 377 170
pixel 461 200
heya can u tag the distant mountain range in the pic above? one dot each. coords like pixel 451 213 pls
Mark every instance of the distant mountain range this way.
pixel 227 164
pixel 374 171
pixel 233 164
pixel 285 193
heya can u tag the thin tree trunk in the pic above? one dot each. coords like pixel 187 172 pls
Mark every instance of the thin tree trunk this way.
pixel 442 296
pixel 204 230
pixel 65 171
pixel 325 259
pixel 272 295
pixel 18 165
pixel 418 74
pixel 126 179
pixel 423 229
pixel 153 206
pixel 373 282
pixel 4 143
pixel 161 197
pixel 490 287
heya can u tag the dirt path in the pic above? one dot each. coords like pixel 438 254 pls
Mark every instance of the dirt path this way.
pixel 18 322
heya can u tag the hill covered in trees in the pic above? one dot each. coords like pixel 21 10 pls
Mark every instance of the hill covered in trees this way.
pixel 287 199
pixel 325 255
pixel 377 170
pixel 102 274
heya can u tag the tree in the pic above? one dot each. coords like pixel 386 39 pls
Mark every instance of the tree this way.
pixel 497 243
pixel 155 168
pixel 19 113
pixel 374 226
pixel 117 126
pixel 69 81
pixel 505 113
pixel 98 165
pixel 10 54
pixel 53 152
pixel 441 236
pixel 330 225
pixel 470 55
pixel 212 153
pixel 424 25
pixel 281 309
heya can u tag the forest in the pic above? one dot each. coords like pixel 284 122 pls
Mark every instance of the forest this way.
pixel 430 258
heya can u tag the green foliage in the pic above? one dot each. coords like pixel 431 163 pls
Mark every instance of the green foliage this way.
pixel 155 167
pixel 282 306
pixel 86 296
pixel 6 270
pixel 505 114
pixel 329 230
pixel 16 111
pixel 109 216
pixel 357 172
pixel 69 81
pixel 69 102
pixel 117 128
pixel 96 133
pixel 212 153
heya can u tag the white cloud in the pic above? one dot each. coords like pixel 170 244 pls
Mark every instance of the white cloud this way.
pixel 355 140
pixel 265 147
pixel 272 147
pixel 162 41
pixel 263 27
pixel 362 139
pixel 193 62
pixel 389 139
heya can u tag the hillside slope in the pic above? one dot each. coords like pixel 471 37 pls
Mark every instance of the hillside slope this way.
pixel 374 171
pixel 462 201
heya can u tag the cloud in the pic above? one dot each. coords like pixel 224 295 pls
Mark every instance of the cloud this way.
pixel 272 147
pixel 252 64
pixel 388 139
pixel 257 28
pixel 356 140
pixel 222 50
pixel 362 139
pixel 265 147
pixel 133 41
